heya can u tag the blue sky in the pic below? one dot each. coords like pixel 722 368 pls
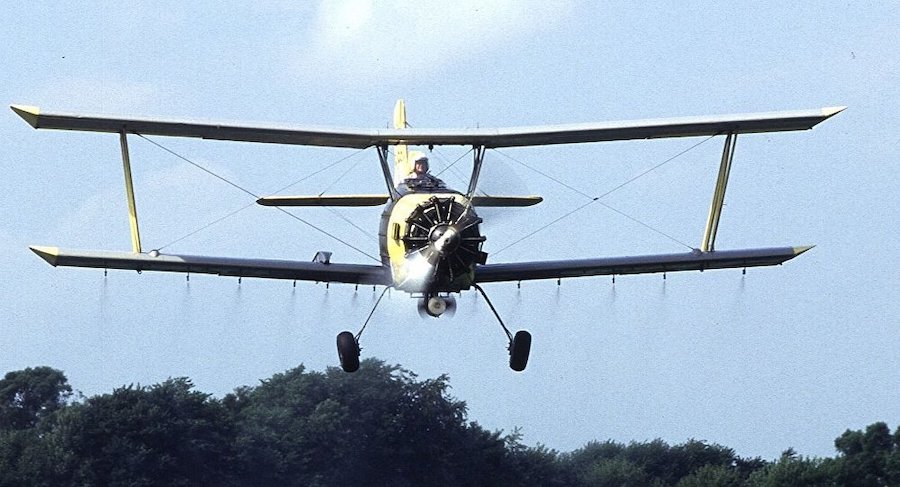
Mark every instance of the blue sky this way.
pixel 782 357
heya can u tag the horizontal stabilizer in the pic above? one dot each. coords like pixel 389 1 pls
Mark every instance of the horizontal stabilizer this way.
pixel 223 266
pixel 505 201
pixel 351 200
pixel 642 264
pixel 487 137
pixel 380 199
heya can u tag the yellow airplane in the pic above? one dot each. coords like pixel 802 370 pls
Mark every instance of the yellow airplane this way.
pixel 429 237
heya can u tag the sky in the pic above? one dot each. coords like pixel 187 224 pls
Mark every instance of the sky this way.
pixel 781 357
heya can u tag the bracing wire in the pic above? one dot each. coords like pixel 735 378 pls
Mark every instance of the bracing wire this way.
pixel 204 227
pixel 450 166
pixel 596 199
pixel 337 213
pixel 255 197
pixel 351 168
pixel 229 215
pixel 542 173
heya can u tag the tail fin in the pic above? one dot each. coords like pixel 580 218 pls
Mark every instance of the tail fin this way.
pixel 402 165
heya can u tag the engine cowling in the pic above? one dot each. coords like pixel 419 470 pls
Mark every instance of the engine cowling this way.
pixel 442 235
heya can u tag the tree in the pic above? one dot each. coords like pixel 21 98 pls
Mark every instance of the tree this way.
pixel 379 426
pixel 616 472
pixel 695 455
pixel 27 396
pixel 165 434
pixel 793 470
pixel 30 453
pixel 711 476
pixel 538 466
pixel 868 458
pixel 657 463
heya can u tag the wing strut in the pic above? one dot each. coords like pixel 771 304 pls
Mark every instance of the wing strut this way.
pixel 715 208
pixel 129 194
pixel 478 150
pixel 386 170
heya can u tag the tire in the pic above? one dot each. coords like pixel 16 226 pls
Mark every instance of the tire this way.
pixel 348 351
pixel 519 350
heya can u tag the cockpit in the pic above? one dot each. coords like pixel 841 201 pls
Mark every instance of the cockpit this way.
pixel 420 180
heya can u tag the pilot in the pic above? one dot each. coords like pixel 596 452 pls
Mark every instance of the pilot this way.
pixel 419 178
pixel 420 168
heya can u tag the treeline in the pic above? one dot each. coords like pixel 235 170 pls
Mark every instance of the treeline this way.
pixel 380 426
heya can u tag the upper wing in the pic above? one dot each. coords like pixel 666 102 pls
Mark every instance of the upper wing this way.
pixel 223 266
pixel 490 138
pixel 697 260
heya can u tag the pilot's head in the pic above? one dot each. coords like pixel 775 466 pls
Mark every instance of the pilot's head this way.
pixel 420 166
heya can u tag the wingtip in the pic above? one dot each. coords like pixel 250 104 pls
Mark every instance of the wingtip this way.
pixel 832 111
pixel 50 254
pixel 28 113
pixel 801 249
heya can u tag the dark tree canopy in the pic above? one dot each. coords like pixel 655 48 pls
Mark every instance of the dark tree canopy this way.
pixel 27 396
pixel 168 433
pixel 380 426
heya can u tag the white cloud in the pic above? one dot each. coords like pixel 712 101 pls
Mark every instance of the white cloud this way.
pixel 363 40
pixel 99 94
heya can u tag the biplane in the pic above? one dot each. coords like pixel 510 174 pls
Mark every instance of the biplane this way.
pixel 429 236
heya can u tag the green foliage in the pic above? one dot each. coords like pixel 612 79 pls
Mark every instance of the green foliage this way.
pixel 29 457
pixel 792 470
pixel 614 472
pixel 30 452
pixel 161 434
pixel 537 466
pixel 380 426
pixel 27 396
pixel 870 458
pixel 711 476
pixel 657 463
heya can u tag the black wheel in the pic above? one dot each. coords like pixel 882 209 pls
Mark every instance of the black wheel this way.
pixel 348 351
pixel 518 350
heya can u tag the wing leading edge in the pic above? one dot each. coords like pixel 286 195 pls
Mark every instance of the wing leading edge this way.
pixel 223 266
pixel 643 264
pixel 489 138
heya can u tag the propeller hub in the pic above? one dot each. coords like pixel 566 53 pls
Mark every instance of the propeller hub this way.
pixel 444 238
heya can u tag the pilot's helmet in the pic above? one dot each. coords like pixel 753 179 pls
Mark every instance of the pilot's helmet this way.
pixel 423 160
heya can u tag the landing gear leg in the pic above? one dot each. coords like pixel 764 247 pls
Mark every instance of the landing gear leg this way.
pixel 519 345
pixel 348 343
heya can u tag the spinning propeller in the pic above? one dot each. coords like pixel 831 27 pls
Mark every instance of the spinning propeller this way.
pixel 443 238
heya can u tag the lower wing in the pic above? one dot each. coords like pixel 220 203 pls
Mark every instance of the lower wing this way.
pixel 223 266
pixel 642 264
